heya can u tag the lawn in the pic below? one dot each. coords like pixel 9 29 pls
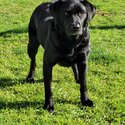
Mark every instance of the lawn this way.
pixel 21 103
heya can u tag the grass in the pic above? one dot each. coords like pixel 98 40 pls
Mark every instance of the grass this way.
pixel 21 103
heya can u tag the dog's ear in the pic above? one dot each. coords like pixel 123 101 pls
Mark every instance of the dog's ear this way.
pixel 91 10
pixel 55 6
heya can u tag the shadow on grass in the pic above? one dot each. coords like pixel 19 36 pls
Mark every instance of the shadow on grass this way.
pixel 14 31
pixel 24 30
pixel 20 104
pixel 6 82
pixel 119 27
pixel 34 104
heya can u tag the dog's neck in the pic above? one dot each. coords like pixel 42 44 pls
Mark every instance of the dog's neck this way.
pixel 71 40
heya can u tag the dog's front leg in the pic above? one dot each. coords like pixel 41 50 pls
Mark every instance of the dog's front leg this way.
pixel 47 73
pixel 82 80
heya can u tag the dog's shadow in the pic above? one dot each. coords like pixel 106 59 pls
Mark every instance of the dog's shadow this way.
pixel 33 104
pixel 20 104
pixel 6 82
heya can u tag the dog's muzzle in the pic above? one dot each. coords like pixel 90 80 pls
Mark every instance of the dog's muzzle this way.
pixel 75 27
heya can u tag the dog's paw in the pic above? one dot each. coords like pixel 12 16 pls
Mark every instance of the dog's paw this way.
pixel 30 80
pixel 87 102
pixel 49 107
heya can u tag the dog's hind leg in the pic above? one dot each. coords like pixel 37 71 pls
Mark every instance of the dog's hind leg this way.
pixel 32 51
pixel 75 71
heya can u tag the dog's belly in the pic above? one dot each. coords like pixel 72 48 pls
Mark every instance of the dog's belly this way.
pixel 65 64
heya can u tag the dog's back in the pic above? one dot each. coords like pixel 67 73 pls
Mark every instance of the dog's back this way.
pixel 42 16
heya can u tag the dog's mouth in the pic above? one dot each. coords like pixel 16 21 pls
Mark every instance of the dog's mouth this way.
pixel 75 33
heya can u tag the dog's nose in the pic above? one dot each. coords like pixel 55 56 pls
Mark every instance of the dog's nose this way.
pixel 75 27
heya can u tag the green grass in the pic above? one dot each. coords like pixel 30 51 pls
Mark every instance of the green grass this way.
pixel 21 103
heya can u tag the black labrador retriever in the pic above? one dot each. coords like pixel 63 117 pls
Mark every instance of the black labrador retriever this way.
pixel 61 27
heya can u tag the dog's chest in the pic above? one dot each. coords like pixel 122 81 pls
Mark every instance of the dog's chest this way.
pixel 69 59
pixel 77 54
pixel 66 60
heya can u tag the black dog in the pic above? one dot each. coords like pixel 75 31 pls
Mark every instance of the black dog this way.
pixel 61 27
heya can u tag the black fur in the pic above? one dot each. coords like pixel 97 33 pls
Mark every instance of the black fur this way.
pixel 61 27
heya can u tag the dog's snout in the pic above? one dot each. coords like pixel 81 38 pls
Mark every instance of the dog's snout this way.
pixel 75 27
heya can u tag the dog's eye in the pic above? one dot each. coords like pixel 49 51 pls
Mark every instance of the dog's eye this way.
pixel 67 13
pixel 81 13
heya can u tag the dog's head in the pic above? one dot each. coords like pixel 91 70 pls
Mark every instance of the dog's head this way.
pixel 72 16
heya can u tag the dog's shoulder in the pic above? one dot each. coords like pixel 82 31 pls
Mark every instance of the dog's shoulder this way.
pixel 43 9
pixel 41 16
